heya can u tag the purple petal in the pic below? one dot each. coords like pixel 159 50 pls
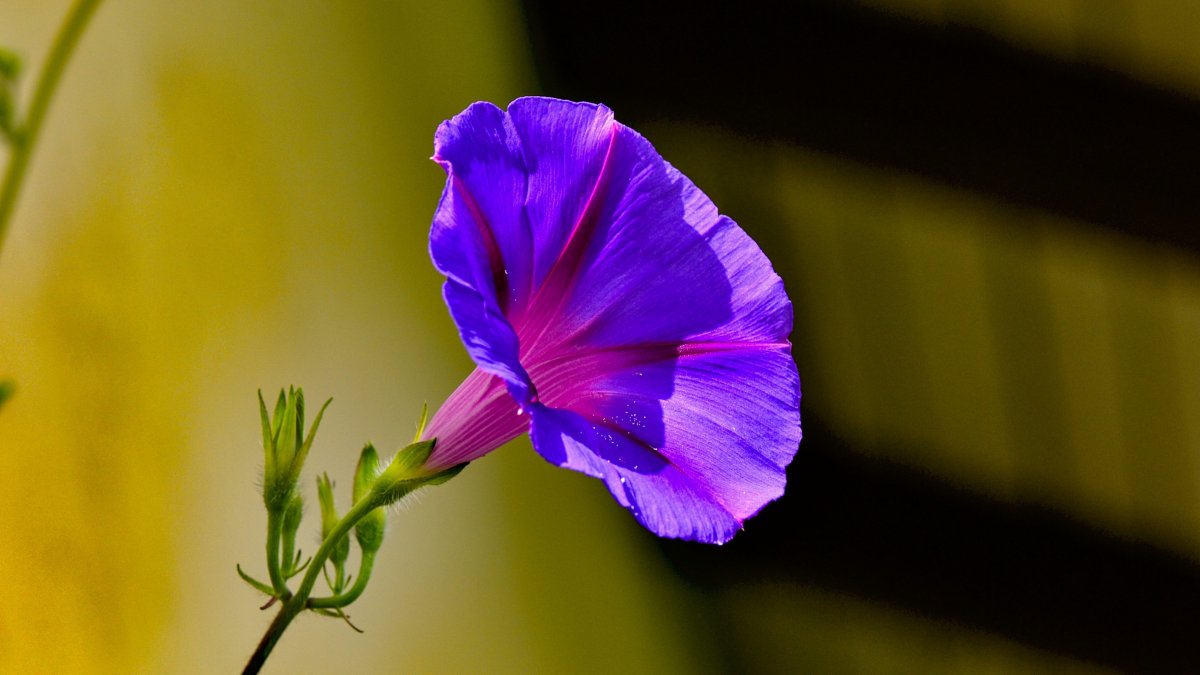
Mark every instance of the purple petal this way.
pixel 710 427
pixel 488 337
pixel 646 333
pixel 565 145
pixel 662 498
pixel 518 188
pixel 637 252
pixel 480 235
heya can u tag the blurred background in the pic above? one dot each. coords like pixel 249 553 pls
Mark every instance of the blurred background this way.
pixel 984 212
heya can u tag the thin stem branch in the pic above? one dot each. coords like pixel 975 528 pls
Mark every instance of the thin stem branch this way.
pixel 299 602
pixel 360 585
pixel 25 135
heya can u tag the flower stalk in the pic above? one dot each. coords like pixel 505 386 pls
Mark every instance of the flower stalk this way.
pixel 295 603
pixel 376 485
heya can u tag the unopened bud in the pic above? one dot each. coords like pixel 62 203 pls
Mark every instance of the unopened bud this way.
pixel 369 530
pixel 329 520
pixel 284 446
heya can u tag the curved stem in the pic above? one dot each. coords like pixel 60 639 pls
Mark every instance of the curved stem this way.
pixel 274 529
pixel 299 602
pixel 360 585
pixel 25 135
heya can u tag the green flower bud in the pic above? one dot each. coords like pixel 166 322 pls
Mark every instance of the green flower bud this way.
pixel 329 520
pixel 369 530
pixel 329 514
pixel 284 446
pixel 366 472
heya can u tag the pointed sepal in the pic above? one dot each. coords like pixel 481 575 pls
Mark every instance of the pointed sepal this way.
pixel 408 471
pixel 424 421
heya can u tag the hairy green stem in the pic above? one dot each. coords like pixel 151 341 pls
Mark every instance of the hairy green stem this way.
pixel 26 132
pixel 274 530
pixel 299 601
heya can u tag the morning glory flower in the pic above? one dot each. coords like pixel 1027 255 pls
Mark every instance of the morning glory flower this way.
pixel 639 336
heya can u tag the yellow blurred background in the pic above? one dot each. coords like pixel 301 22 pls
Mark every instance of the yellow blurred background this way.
pixel 231 196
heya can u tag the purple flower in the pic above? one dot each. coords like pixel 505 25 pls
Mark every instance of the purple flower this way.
pixel 637 334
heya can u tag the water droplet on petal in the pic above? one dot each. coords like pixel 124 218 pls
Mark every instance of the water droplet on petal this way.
pixel 520 410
